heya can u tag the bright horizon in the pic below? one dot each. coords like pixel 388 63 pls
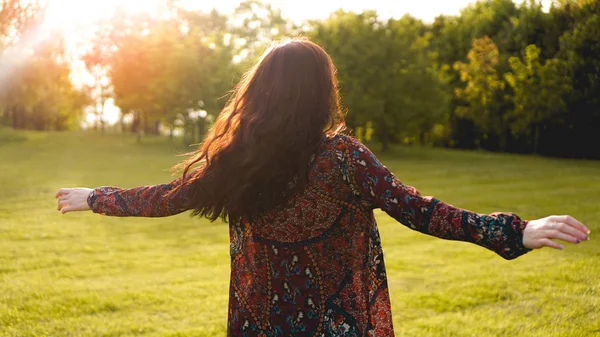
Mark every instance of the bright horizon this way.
pixel 73 14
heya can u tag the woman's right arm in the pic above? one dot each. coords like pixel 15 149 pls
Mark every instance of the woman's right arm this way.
pixel 143 201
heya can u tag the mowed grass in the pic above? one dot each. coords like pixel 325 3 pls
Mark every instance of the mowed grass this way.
pixel 83 274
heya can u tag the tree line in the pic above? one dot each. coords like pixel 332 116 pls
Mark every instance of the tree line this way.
pixel 500 76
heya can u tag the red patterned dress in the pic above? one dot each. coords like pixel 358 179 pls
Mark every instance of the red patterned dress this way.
pixel 314 267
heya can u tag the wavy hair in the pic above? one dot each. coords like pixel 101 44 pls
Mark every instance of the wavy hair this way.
pixel 257 154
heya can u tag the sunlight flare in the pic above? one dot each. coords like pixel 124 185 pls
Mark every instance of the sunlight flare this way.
pixel 69 15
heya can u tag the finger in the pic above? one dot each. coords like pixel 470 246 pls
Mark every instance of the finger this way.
pixel 62 191
pixel 572 222
pixel 570 230
pixel 549 243
pixel 62 204
pixel 556 234
pixel 67 209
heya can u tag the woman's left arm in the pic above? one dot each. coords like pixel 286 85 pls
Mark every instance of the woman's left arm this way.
pixel 504 233
pixel 143 201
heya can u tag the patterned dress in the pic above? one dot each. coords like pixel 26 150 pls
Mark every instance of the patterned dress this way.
pixel 314 267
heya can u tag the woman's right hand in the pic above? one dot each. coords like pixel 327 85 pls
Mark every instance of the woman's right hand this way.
pixel 539 233
pixel 73 199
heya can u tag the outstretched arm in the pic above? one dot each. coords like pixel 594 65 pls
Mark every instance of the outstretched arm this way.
pixel 504 233
pixel 144 201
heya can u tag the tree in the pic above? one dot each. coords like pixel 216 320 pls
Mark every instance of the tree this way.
pixel 386 73
pixel 452 39
pixel 40 94
pixel 163 69
pixel 538 92
pixel 354 42
pixel 579 48
pixel 482 88
pixel 417 87
pixel 99 90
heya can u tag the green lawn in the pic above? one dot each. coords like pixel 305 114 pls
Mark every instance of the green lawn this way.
pixel 87 275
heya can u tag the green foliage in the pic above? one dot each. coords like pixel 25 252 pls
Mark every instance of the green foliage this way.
pixel 386 72
pixel 364 133
pixel 253 25
pixel 482 87
pixel 538 91
pixel 83 274
pixel 36 91
pixel 160 70
pixel 454 35
pixel 580 49
pixel 39 94
pixel 560 35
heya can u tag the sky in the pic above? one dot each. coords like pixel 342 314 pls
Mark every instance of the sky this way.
pixel 426 10
pixel 299 10
pixel 66 13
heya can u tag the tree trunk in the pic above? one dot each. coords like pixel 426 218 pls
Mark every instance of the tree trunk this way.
pixel 385 138
pixel 21 116
pixel 201 130
pixel 188 132
pixel 157 127
pixel 536 139
pixel 6 116
pixel 122 122
pixel 385 144
pixel 15 121
pixel 99 126
pixel 422 137
pixel 503 141
pixel 135 124
pixel 147 126
pixel 39 124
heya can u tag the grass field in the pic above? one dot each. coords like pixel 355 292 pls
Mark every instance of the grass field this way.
pixel 83 274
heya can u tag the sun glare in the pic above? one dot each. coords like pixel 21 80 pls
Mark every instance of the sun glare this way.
pixel 69 16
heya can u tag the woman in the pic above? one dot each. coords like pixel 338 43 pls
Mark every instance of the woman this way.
pixel 306 258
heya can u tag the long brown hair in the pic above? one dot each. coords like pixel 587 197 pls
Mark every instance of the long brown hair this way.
pixel 258 152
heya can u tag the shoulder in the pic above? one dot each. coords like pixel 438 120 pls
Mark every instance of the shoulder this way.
pixel 349 152
pixel 350 148
pixel 342 142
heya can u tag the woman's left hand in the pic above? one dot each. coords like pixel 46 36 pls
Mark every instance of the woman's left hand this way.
pixel 73 199
pixel 539 233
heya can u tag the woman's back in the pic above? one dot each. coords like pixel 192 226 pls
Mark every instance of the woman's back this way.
pixel 313 266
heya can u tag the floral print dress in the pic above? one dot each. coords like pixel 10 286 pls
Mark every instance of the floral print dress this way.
pixel 314 267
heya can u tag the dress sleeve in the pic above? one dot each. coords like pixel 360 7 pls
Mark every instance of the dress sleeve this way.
pixel 143 201
pixel 379 188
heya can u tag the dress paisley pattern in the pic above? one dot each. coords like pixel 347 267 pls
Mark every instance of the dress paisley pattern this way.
pixel 314 266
